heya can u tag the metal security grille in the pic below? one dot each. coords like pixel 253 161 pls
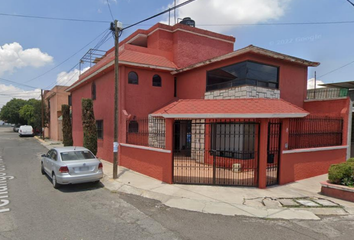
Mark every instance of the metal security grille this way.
pixel 273 155
pixel 215 152
pixel 315 131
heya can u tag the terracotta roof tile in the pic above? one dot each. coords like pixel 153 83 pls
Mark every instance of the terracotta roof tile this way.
pixel 245 107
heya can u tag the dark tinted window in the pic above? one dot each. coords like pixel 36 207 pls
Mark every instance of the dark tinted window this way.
pixel 133 78
pixel 156 81
pixel 76 155
pixel 243 73
pixel 93 91
pixel 133 127
pixel 99 126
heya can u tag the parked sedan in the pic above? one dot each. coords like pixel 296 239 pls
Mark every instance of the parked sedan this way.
pixel 71 165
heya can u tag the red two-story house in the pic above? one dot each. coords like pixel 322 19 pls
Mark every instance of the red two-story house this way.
pixel 194 111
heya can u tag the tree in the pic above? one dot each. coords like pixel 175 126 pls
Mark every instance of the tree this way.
pixel 67 128
pixel 89 125
pixel 31 113
pixel 10 112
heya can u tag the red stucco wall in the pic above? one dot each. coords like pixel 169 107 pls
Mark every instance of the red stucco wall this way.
pixel 292 78
pixel 103 110
pixel 297 166
pixel 151 163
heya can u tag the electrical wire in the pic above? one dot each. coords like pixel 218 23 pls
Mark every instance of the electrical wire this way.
pixel 350 2
pixel 110 11
pixel 53 18
pixel 67 58
pixel 336 69
pixel 17 83
pixel 50 86
pixel 156 15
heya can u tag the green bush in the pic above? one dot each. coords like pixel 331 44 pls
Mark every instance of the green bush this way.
pixel 89 125
pixel 339 172
pixel 67 129
pixel 351 160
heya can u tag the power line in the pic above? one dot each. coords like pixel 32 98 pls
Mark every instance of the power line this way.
pixel 110 11
pixel 279 24
pixel 336 69
pixel 17 83
pixel 156 15
pixel 53 18
pixel 53 84
pixel 350 2
pixel 67 58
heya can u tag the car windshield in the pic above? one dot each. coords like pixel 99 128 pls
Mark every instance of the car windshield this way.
pixel 76 155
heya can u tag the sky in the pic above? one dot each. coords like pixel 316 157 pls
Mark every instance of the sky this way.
pixel 40 53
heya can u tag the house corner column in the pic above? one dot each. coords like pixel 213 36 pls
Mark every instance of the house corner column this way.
pixel 284 145
pixel 169 146
pixel 263 144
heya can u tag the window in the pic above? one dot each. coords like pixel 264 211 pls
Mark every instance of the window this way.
pixel 243 73
pixel 69 100
pixel 53 155
pixel 93 91
pixel 133 127
pixel 133 78
pixel 156 81
pixel 233 140
pixel 99 126
pixel 76 155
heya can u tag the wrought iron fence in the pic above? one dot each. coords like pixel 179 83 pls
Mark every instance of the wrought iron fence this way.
pixel 326 93
pixel 148 132
pixel 315 131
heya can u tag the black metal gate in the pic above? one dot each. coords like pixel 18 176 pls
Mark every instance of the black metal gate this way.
pixel 216 152
pixel 273 152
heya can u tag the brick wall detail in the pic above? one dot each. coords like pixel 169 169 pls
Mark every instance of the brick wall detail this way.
pixel 243 92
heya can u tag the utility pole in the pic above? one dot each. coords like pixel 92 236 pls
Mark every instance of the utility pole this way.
pixel 117 29
pixel 42 114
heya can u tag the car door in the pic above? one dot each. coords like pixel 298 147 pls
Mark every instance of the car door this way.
pixel 46 161
pixel 52 162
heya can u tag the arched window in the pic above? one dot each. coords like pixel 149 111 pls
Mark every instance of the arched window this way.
pixel 93 91
pixel 133 78
pixel 156 81
pixel 133 127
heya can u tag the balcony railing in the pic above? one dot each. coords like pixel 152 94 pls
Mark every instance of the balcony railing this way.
pixel 326 93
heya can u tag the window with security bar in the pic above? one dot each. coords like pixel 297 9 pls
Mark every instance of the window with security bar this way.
pixel 233 140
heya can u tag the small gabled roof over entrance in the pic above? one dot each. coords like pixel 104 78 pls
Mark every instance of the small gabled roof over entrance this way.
pixel 230 108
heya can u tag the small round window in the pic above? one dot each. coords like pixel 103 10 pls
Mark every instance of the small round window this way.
pixel 156 81
pixel 133 78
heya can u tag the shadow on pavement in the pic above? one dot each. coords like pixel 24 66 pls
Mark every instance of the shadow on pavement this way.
pixel 81 187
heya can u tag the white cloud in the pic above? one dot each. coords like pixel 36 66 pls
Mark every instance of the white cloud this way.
pixel 208 12
pixel 13 56
pixel 7 92
pixel 68 78
pixel 311 83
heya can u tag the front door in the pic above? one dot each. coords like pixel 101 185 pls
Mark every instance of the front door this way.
pixel 273 152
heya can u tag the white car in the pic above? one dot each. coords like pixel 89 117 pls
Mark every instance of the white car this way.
pixel 71 165
pixel 25 130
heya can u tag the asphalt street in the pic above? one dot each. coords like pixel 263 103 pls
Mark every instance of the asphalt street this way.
pixel 30 208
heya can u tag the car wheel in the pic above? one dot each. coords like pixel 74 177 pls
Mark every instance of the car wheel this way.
pixel 42 169
pixel 54 181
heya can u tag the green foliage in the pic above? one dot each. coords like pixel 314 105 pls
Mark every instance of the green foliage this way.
pixel 89 125
pixel 10 112
pixel 338 173
pixel 23 112
pixel 350 160
pixel 67 128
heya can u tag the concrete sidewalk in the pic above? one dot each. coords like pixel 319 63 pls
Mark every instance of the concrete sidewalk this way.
pixel 242 201
pixel 299 200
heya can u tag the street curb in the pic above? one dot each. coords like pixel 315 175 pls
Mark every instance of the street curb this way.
pixel 210 207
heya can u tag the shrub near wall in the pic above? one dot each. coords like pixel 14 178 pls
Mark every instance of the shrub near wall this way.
pixel 67 128
pixel 342 173
pixel 89 125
